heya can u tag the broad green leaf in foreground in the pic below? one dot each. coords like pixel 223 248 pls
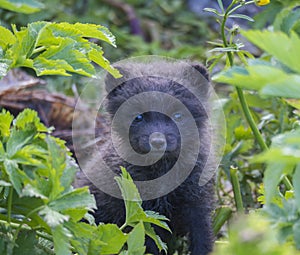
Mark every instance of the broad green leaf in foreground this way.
pixel 278 44
pixel 261 76
pixel 112 237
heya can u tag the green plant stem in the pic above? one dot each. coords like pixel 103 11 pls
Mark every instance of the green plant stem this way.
pixel 236 190
pixel 222 215
pixel 240 92
pixel 9 204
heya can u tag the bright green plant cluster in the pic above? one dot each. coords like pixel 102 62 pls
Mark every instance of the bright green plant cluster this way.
pixel 273 78
pixel 55 48
pixel 40 210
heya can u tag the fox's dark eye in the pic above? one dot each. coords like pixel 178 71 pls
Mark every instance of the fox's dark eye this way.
pixel 177 116
pixel 139 118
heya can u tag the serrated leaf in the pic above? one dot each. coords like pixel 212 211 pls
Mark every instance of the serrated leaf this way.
pixel 69 173
pixel 7 37
pixel 156 238
pixel 43 66
pixel 26 244
pixel 30 191
pixel 77 198
pixel 96 55
pixel 83 235
pixel 4 66
pixel 113 238
pixel 5 122
pixel 136 240
pixel 131 196
pixel 96 31
pixel 61 237
pixel 31 154
pixel 283 47
pixel 22 6
pixel 27 118
pixel 52 217
pixel 58 49
pixel 157 219
pixel 17 140
pixel 16 176
pixel 56 162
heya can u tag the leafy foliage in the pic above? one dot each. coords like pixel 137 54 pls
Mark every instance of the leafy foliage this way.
pixel 41 210
pixel 55 48
pixel 276 74
pixel 29 6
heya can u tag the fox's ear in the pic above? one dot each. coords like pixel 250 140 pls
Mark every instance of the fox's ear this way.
pixel 202 69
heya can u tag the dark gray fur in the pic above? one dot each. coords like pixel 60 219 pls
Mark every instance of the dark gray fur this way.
pixel 189 206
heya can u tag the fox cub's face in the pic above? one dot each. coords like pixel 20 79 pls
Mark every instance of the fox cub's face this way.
pixel 155 131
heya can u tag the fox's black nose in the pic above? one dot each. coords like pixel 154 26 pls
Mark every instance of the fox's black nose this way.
pixel 157 141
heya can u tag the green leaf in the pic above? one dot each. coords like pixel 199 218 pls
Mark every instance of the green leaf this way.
pixel 69 173
pixel 4 66
pixel 31 191
pixel 28 118
pixel 296 182
pixel 255 76
pixel 61 237
pixel 56 162
pixel 283 47
pixel 156 218
pixel 287 19
pixel 95 31
pixel 241 16
pixel 288 87
pixel 273 174
pixel 52 217
pixel 136 240
pixel 285 148
pixel 113 238
pixel 212 10
pixel 296 230
pixel 26 244
pixel 22 6
pixel 131 196
pixel 58 49
pixel 31 154
pixel 96 55
pixel 7 37
pixel 156 238
pixel 78 198
pixel 220 3
pixel 16 176
pixel 17 140
pixel 5 122
pixel 84 237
